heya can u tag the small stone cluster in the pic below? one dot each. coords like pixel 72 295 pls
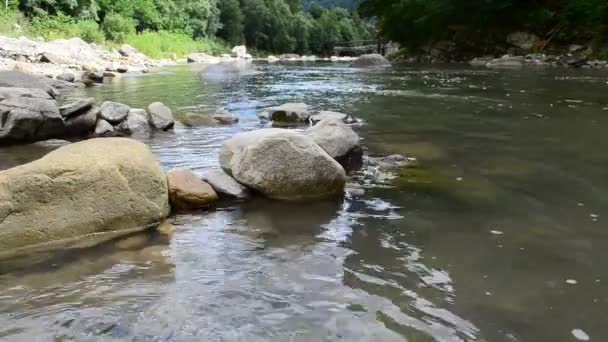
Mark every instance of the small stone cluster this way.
pixel 29 112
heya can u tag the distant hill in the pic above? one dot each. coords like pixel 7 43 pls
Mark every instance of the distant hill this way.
pixel 351 5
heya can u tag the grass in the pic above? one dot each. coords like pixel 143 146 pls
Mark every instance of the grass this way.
pixel 163 44
pixel 158 44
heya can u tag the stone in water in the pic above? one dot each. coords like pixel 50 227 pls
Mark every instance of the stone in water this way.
pixel 580 335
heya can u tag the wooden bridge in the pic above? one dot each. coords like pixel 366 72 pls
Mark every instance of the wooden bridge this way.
pixel 361 47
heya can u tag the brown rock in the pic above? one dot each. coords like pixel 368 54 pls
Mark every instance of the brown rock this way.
pixel 188 191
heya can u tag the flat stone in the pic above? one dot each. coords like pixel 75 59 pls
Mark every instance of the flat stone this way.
pixel 74 108
pixel 225 185
pixel 34 93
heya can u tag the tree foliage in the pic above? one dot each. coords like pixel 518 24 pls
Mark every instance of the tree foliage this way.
pixel 273 26
pixel 417 22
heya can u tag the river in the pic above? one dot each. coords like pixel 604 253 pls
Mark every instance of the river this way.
pixel 500 238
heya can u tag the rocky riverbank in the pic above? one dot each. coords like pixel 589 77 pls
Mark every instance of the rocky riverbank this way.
pixel 519 49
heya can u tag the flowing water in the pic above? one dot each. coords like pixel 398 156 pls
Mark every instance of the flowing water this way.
pixel 499 235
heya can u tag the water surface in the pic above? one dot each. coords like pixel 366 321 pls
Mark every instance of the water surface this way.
pixel 500 237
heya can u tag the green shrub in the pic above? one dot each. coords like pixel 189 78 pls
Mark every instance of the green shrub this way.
pixel 163 44
pixel 13 23
pixel 89 31
pixel 60 26
pixel 117 28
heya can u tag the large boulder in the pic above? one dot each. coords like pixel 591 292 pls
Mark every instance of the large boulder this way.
pixel 83 124
pixel 113 112
pixel 226 186
pixel 371 60
pixel 94 188
pixel 24 119
pixel 339 141
pixel 137 123
pixel 282 165
pixel 33 93
pixel 239 51
pixel 188 191
pixel 161 116
pixel 19 79
pixel 287 114
pixel 523 40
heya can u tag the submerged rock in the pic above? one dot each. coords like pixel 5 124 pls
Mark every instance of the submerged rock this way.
pixel 225 185
pixel 196 119
pixel 287 114
pixel 161 116
pixel 113 186
pixel 371 60
pixel 225 118
pixel 339 141
pixel 282 164
pixel 188 191
pixel 327 115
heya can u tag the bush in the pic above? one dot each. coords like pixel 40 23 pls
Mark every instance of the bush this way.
pixel 163 44
pixel 60 26
pixel 13 23
pixel 117 28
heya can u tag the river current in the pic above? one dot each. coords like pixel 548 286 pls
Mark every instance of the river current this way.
pixel 499 235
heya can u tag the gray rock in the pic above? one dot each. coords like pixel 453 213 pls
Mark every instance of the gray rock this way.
pixel 67 77
pixel 49 57
pixel 371 60
pixel 19 79
pixel 92 77
pixel 114 112
pixel 226 186
pixel 288 113
pixel 326 115
pixel 225 118
pixel 480 61
pixel 523 40
pixel 32 93
pixel 289 56
pixel 282 164
pixel 83 124
pixel 507 62
pixel 161 116
pixel 137 122
pixel 75 108
pixel 127 50
pixel 29 119
pixel 103 128
pixel 122 69
pixel 389 162
pixel 339 141
pixel 202 58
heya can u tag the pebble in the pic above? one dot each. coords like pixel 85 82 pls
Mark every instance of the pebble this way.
pixel 496 232
pixel 580 335
pixel 571 282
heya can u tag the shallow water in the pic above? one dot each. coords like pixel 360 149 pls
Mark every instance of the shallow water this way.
pixel 500 239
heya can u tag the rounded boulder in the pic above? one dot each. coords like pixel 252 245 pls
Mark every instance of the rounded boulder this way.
pixel 282 164
pixel 94 188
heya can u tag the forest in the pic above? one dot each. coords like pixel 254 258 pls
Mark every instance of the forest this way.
pixel 480 24
pixel 159 27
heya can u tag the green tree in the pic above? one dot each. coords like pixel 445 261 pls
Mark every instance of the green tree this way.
pixel 231 22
